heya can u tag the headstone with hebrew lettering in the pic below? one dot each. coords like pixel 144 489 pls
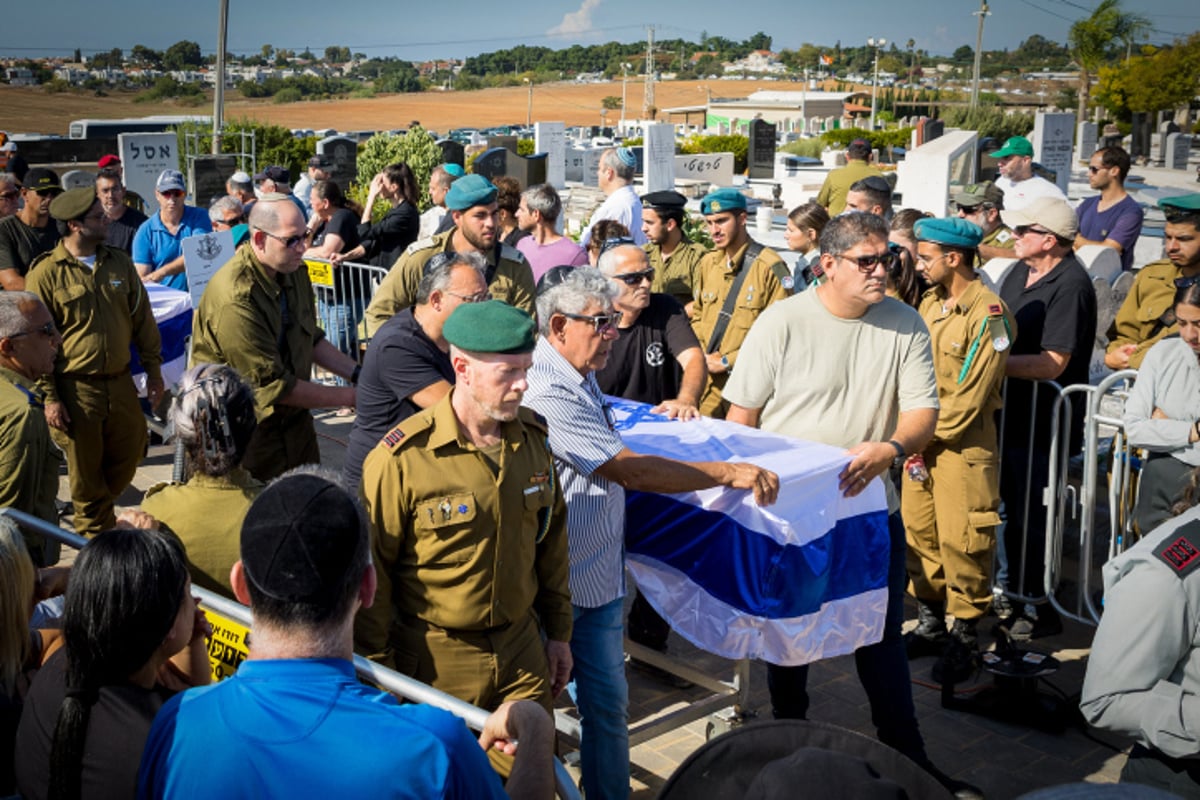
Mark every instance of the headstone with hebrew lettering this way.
pixel 143 157
pixel 574 166
pixel 715 168
pixel 207 176
pixel 1087 135
pixel 659 157
pixel 343 152
pixel 492 163
pixel 761 149
pixel 1178 147
pixel 1054 144
pixel 591 166
pixel 550 138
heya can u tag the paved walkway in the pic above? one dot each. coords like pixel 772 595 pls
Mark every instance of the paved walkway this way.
pixel 1005 760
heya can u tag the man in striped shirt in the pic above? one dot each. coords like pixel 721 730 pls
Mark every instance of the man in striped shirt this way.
pixel 578 326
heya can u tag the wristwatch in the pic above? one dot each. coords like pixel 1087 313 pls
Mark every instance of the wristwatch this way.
pixel 900 455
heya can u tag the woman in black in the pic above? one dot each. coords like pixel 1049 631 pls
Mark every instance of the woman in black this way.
pixel 335 232
pixel 383 242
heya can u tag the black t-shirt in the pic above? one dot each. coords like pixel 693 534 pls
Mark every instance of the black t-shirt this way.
pixel 120 233
pixel 1057 313
pixel 21 244
pixel 400 361
pixel 385 241
pixel 643 363
pixel 343 223
pixel 117 730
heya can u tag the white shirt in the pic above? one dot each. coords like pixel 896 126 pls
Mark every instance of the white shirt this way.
pixel 1020 194
pixel 625 207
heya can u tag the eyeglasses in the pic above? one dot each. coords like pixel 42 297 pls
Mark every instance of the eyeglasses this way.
pixel 174 194
pixel 47 192
pixel 867 264
pixel 616 241
pixel 234 221
pixel 635 278
pixel 46 330
pixel 482 297
pixel 1184 283
pixel 1022 230
pixel 13 195
pixel 968 210
pixel 601 323
pixel 288 242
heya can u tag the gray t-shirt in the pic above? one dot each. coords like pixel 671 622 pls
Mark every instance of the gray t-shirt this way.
pixel 832 380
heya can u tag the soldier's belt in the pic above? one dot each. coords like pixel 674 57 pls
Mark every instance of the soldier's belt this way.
pixel 96 376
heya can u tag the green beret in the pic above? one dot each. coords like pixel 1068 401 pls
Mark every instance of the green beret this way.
pixel 951 232
pixel 723 200
pixel 1187 202
pixel 492 326
pixel 73 204
pixel 469 191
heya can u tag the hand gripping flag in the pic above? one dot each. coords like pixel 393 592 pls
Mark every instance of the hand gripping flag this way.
pixel 795 582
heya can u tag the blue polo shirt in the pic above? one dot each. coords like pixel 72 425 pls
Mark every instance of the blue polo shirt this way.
pixel 153 244
pixel 308 728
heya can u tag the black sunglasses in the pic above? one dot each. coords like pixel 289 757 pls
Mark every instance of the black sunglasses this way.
pixel 969 209
pixel 286 241
pixel 636 278
pixel 600 322
pixel 867 264
pixel 46 330
pixel 1021 230
pixel 616 241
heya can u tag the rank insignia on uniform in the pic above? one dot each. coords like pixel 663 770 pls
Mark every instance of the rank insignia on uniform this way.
pixel 463 508
pixel 787 283
pixel 995 309
pixel 750 295
pixel 1003 236
pixel 116 283
pixel 1180 552
pixel 446 509
pixel 393 438
pixel 539 477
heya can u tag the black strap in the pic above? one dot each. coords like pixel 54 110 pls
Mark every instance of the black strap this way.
pixel 490 273
pixel 752 252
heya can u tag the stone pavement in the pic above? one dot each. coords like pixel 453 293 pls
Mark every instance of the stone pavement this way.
pixel 1004 760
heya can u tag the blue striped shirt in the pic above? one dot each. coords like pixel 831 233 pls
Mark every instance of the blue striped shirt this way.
pixel 582 440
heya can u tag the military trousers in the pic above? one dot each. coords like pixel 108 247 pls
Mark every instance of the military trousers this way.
pixel 712 404
pixel 105 442
pixel 950 523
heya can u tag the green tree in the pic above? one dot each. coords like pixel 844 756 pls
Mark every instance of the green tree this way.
pixel 146 58
pixel 183 55
pixel 612 102
pixel 964 55
pixel 1154 81
pixel 1093 41
pixel 417 148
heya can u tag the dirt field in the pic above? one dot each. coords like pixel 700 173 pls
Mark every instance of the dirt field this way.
pixel 29 109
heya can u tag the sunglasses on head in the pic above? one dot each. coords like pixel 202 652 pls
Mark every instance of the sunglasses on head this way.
pixel 616 241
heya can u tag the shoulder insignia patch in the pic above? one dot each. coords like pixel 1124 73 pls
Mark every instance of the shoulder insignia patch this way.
pixel 393 438
pixel 996 310
pixel 510 253
pixel 420 244
pixel 1003 236
pixel 1180 552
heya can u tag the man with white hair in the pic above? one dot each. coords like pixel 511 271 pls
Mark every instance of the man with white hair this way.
pixel 615 176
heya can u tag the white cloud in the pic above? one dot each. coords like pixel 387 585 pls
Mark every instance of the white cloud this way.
pixel 576 22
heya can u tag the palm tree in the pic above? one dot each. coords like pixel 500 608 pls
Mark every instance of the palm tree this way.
pixel 1092 40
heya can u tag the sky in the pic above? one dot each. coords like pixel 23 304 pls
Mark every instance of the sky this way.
pixel 421 29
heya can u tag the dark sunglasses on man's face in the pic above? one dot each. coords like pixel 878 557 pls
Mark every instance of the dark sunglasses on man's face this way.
pixel 636 278
pixel 867 264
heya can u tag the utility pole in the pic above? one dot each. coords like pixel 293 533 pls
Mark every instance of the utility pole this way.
pixel 648 95
pixel 981 13
pixel 219 94
pixel 624 92
pixel 529 109
pixel 876 44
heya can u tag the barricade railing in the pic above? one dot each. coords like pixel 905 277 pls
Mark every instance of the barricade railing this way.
pixel 341 294
pixel 390 680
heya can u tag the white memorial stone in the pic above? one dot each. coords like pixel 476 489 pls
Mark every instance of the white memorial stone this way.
pixel 574 164
pixel 715 168
pixel 143 157
pixel 591 165
pixel 77 179
pixel 1053 144
pixel 1087 138
pixel 551 138
pixel 658 157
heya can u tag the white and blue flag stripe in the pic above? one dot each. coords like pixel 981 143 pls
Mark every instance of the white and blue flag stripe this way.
pixel 798 581
pixel 173 313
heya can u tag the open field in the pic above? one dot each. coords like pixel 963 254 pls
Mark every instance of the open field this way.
pixel 30 109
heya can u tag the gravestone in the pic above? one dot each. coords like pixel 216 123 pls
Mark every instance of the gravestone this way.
pixel 1139 143
pixel 77 179
pixel 639 159
pixel 930 129
pixel 1110 136
pixel 574 165
pixel 507 142
pixel 1053 144
pixel 343 152
pixel 528 170
pixel 1087 135
pixel 591 166
pixel 659 157
pixel 761 149
pixel 1176 150
pixel 143 157
pixel 492 163
pixel 715 168
pixel 207 176
pixel 550 138
pixel 452 152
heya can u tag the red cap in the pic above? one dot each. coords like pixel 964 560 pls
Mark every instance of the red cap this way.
pixel 108 161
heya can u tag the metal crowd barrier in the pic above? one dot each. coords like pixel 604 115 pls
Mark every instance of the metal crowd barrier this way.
pixel 388 679
pixel 341 295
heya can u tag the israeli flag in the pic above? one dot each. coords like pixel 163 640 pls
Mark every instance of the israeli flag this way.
pixel 795 582
pixel 173 312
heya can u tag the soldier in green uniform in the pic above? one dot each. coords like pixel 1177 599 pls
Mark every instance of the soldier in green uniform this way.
pixel 731 293
pixel 100 306
pixel 1146 316
pixel 838 182
pixel 982 203
pixel 213 417
pixel 471 201
pixel 468 529
pixel 674 258
pixel 29 462
pixel 258 316
pixel 950 514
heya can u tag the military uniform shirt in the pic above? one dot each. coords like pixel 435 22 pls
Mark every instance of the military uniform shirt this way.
pixel 759 290
pixel 29 463
pixel 838 182
pixel 676 275
pixel 457 544
pixel 240 323
pixel 512 281
pixel 1143 317
pixel 99 314
pixel 970 343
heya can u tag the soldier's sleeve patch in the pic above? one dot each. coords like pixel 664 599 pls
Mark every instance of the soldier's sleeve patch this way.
pixel 393 438
pixel 1180 552
pixel 995 309
pixel 1003 237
